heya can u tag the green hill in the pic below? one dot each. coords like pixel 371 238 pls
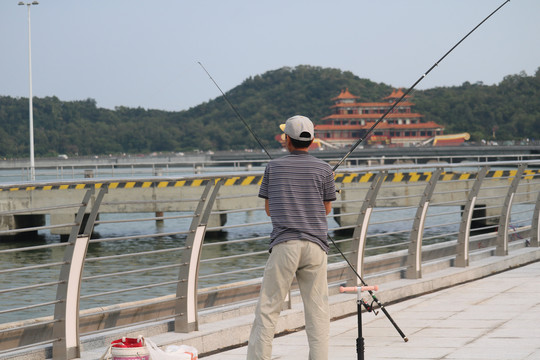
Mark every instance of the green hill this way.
pixel 511 109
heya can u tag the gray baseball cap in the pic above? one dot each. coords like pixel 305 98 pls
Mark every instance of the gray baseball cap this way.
pixel 298 127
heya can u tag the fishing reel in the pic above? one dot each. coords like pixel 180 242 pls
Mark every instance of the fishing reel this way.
pixel 369 306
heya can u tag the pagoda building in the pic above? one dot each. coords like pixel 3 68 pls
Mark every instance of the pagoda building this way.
pixel 351 119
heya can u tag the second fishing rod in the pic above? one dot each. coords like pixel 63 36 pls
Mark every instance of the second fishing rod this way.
pixel 370 130
pixel 360 140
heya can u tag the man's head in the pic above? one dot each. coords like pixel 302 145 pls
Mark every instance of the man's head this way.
pixel 300 131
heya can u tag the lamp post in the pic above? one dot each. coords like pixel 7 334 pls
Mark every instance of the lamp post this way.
pixel 32 164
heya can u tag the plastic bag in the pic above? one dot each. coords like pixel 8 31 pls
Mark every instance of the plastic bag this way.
pixel 172 352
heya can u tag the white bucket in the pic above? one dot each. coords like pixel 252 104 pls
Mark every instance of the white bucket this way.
pixel 129 349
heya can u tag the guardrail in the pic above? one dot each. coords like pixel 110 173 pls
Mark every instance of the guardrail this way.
pixel 177 267
pixel 175 165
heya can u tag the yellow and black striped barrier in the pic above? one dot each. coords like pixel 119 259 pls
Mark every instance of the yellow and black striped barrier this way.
pixel 407 177
pixel 342 178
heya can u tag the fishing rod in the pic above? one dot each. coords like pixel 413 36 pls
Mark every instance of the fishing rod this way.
pixel 381 306
pixel 412 87
pixel 375 299
pixel 236 111
pixel 368 288
pixel 383 309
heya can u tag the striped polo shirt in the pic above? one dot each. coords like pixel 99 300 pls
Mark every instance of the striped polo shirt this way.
pixel 296 187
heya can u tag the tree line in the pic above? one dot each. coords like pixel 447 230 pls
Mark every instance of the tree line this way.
pixel 509 110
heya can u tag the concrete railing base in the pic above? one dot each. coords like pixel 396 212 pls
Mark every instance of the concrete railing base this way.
pixel 229 326
pixel 233 332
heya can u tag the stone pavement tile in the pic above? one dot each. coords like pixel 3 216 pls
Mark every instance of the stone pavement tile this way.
pixel 505 345
pixel 438 342
pixel 496 318
pixel 383 353
pixel 521 327
pixel 534 356
pixel 226 356
pixel 422 315
pixel 489 353
pixel 486 313
pixel 436 333
pixel 465 323
pixel 434 307
pixel 508 300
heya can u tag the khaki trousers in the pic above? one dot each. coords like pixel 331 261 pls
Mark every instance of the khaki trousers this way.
pixel 307 261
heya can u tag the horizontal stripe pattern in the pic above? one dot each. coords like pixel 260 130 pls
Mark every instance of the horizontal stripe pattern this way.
pixel 296 187
pixel 345 178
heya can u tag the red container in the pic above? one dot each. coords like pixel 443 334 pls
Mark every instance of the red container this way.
pixel 129 349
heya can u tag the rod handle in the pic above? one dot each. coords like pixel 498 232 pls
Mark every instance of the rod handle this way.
pixel 343 289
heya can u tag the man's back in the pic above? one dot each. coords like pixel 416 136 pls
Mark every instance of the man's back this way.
pixel 296 187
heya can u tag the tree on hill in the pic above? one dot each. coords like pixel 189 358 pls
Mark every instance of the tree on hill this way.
pixel 508 110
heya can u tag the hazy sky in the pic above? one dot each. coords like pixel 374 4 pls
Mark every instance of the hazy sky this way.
pixel 143 53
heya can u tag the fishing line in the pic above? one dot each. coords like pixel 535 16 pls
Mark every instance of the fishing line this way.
pixel 413 86
pixel 236 111
pixel 381 306
pixel 371 130
pixel 358 143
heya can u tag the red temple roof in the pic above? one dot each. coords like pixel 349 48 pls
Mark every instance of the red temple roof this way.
pixel 372 116
pixel 382 125
pixel 373 104
pixel 345 94
pixel 396 94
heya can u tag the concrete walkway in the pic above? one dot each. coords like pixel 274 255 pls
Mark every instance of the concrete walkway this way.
pixel 497 317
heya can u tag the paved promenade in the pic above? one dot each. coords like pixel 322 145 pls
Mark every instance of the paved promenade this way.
pixel 495 318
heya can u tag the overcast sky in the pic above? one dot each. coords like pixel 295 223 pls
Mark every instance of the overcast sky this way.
pixel 144 53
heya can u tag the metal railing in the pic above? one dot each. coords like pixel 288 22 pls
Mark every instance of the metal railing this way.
pixel 174 165
pixel 120 270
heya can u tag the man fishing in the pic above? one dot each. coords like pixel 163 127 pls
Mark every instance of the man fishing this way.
pixel 298 190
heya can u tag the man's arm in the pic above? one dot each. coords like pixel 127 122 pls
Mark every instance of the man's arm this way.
pixel 267 207
pixel 327 206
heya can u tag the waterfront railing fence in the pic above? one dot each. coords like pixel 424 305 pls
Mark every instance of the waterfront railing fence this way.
pixel 118 270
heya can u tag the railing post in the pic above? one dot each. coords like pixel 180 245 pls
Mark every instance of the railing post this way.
pixel 502 234
pixel 186 315
pixel 66 312
pixel 535 225
pixel 360 231
pixel 414 256
pixel 462 256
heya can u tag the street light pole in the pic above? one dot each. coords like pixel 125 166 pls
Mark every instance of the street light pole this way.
pixel 30 106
